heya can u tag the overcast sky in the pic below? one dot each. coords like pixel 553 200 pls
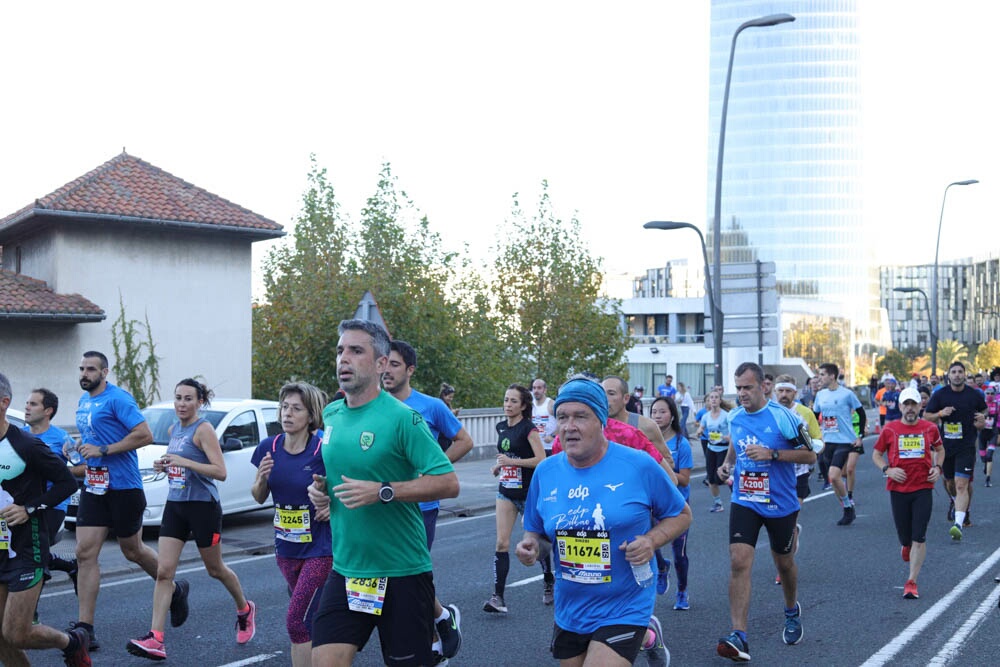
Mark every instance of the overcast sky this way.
pixel 472 102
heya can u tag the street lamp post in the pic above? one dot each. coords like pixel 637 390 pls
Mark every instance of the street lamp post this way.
pixel 937 248
pixel 713 304
pixel 717 326
pixel 930 322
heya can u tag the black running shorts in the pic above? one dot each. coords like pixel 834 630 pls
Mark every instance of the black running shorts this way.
pixel 405 626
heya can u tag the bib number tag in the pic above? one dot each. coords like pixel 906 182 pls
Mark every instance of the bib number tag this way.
pixel 510 477
pixel 176 477
pixel 366 595
pixel 830 425
pixel 585 555
pixel 755 486
pixel 953 430
pixel 292 524
pixel 5 537
pixel 911 446
pixel 715 437
pixel 98 480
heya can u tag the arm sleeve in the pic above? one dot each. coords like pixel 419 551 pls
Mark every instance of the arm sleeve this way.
pixel 532 519
pixel 862 418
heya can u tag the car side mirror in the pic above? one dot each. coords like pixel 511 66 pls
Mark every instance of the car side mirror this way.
pixel 232 445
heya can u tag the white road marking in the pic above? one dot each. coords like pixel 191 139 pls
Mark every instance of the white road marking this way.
pixel 253 660
pixel 887 652
pixel 951 648
pixel 525 582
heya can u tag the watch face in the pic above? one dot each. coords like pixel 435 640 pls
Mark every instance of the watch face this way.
pixel 385 493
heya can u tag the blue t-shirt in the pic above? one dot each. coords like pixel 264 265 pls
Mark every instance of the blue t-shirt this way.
pixel 680 449
pixel 439 419
pixel 715 430
pixel 104 420
pixel 835 408
pixel 612 501
pixel 697 418
pixel 766 487
pixel 55 438
pixel 892 411
pixel 290 477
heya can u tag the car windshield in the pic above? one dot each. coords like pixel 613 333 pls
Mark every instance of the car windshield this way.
pixel 161 419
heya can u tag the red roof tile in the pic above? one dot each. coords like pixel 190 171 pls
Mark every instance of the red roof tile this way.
pixel 126 186
pixel 26 298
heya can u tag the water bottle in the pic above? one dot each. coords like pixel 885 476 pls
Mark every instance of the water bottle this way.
pixel 74 454
pixel 643 574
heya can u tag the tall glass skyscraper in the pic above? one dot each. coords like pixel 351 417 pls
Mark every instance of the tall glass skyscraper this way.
pixel 792 170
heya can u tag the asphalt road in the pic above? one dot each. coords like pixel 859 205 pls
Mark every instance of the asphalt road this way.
pixel 851 582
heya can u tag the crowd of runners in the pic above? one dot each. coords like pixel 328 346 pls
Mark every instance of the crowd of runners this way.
pixel 600 481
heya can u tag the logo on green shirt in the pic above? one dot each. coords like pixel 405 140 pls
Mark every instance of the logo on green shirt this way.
pixel 367 440
pixel 505 444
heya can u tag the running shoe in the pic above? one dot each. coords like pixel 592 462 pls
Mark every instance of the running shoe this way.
pixel 93 645
pixel 663 579
pixel 246 624
pixel 734 648
pixel 967 521
pixel 988 483
pixel 495 605
pixel 682 603
pixel 951 511
pixel 777 580
pixel 179 603
pixel 910 590
pixel 955 532
pixel 549 593
pixel 717 507
pixel 827 486
pixel 81 656
pixel 848 517
pixel 657 654
pixel 147 647
pixel 450 632
pixel 440 660
pixel 905 553
pixel 792 634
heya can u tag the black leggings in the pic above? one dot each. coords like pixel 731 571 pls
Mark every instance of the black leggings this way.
pixel 911 513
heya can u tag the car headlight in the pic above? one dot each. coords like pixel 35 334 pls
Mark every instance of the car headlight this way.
pixel 150 475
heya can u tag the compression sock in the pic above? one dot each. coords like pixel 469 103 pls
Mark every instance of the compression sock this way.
pixel 546 564
pixel 501 566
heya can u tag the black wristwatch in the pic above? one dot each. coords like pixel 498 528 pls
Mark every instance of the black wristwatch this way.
pixel 386 494
pixel 774 454
pixel 30 509
pixel 884 469
pixel 104 450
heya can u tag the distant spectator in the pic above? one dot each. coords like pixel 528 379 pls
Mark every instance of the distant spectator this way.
pixel 634 403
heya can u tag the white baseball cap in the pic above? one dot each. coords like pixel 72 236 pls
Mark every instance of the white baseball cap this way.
pixel 909 394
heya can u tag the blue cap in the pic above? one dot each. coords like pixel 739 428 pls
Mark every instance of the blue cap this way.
pixel 587 392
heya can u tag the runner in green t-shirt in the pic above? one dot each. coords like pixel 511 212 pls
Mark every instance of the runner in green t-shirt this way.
pixel 380 460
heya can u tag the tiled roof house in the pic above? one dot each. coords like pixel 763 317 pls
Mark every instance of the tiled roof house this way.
pixel 128 232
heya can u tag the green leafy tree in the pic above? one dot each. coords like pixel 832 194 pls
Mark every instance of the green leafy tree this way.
pixel 988 355
pixel 894 362
pixel 136 366
pixel 818 341
pixel 317 278
pixel 948 352
pixel 546 288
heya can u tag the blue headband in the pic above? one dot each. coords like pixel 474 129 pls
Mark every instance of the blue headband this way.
pixel 587 392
